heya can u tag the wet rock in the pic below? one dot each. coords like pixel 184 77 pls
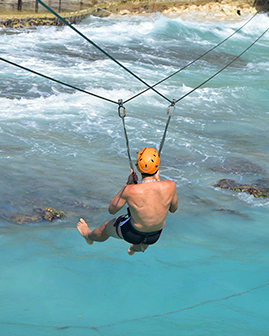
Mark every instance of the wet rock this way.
pixel 21 218
pixel 226 184
pixel 49 213
pixel 238 166
pixel 254 189
pixel 37 215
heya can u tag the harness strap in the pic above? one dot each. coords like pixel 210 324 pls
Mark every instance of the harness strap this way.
pixel 122 115
pixel 173 104
pixel 143 243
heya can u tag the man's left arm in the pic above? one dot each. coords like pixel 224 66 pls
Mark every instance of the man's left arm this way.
pixel 174 203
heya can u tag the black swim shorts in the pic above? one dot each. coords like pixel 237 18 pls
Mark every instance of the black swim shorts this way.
pixel 133 236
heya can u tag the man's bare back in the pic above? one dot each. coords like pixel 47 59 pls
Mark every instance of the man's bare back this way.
pixel 148 202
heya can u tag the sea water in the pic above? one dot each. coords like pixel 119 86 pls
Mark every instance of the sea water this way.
pixel 64 149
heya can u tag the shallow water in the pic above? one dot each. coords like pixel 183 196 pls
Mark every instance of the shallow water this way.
pixel 208 274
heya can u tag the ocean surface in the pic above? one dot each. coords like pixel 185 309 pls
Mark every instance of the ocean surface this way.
pixel 60 148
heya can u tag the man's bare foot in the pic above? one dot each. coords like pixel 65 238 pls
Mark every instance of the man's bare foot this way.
pixel 84 230
pixel 137 248
pixel 131 250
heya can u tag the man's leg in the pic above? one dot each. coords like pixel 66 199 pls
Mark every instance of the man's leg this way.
pixel 137 248
pixel 99 234
pixel 105 231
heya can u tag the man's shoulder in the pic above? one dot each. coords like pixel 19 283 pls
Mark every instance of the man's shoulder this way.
pixel 168 182
pixel 133 187
pixel 169 185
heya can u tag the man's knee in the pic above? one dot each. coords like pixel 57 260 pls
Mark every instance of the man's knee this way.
pixel 110 229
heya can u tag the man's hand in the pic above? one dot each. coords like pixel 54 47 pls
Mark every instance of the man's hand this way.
pixel 132 178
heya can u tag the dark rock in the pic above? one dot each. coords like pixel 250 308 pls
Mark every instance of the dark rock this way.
pixel 50 214
pixel 21 218
pixel 255 190
pixel 36 216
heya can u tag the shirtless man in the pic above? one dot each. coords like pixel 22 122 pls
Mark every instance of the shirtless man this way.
pixel 149 202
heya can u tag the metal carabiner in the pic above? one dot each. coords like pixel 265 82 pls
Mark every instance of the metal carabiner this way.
pixel 171 105
pixel 120 102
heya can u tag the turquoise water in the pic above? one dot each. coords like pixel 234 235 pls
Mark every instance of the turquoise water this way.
pixel 208 274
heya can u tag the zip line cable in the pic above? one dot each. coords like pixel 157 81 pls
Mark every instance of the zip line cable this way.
pixel 195 60
pixel 112 101
pixel 120 102
pixel 100 49
pixel 122 115
pixel 57 81
pixel 197 87
pixel 226 66
pixel 173 102
pixel 167 124
pixel 129 71
pixel 149 87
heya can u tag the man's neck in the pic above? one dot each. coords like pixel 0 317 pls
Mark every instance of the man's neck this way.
pixel 149 179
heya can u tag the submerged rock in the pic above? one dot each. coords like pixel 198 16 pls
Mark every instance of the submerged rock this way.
pixel 233 212
pixel 37 215
pixel 33 214
pixel 20 218
pixel 238 166
pixel 255 189
pixel 76 204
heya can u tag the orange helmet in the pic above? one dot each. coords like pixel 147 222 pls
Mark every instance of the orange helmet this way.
pixel 148 161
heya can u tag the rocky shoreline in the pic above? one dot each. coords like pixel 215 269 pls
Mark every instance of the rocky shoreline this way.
pixel 197 10
pixel 24 20
pixel 213 10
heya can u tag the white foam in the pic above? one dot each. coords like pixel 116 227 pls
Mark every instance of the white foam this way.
pixel 253 201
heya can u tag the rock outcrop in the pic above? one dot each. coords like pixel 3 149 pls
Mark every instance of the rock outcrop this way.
pixel 37 215
pixel 259 189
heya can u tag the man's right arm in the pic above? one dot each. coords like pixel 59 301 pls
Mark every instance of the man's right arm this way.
pixel 174 203
pixel 120 199
pixel 117 202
